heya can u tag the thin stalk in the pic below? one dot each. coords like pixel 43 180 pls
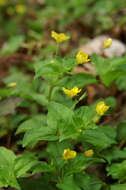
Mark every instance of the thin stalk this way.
pixel 50 92
pixel 83 96
pixel 57 49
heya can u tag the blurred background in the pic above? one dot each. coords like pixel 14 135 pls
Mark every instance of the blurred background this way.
pixel 27 24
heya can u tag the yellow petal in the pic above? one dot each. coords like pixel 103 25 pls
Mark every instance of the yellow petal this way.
pixel 89 153
pixel 101 108
pixel 12 84
pixel 59 37
pixel 21 9
pixel 69 154
pixel 107 43
pixel 73 92
pixel 82 57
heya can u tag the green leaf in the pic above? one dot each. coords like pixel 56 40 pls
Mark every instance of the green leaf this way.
pixel 65 120
pixel 42 167
pixel 118 187
pixel 79 80
pixel 76 165
pixel 68 184
pixel 88 182
pixel 12 45
pixel 80 163
pixel 121 131
pixel 59 112
pixel 7 173
pixel 43 133
pixel 87 114
pixel 110 69
pixel 48 68
pixel 39 98
pixel 115 154
pixel 101 137
pixel 111 76
pixel 100 64
pixel 54 66
pixel 121 82
pixel 48 132
pixel 117 170
pixel 24 163
pixel 68 131
pixel 29 124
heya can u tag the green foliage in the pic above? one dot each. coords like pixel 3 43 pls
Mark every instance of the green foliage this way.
pixel 121 82
pixel 109 69
pixel 12 45
pixel 114 155
pixel 68 184
pixel 89 182
pixel 13 167
pixel 121 129
pixel 61 126
pixel 105 135
pixel 118 187
pixel 60 138
pixel 80 80
pixel 80 181
pixel 7 173
pixel 117 170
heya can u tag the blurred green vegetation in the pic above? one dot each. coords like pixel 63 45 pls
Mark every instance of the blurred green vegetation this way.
pixel 34 18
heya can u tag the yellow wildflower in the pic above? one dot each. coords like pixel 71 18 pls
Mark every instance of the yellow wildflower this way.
pixel 3 2
pixel 69 154
pixel 82 57
pixel 89 153
pixel 107 43
pixel 12 84
pixel 59 37
pixel 21 9
pixel 101 108
pixel 73 92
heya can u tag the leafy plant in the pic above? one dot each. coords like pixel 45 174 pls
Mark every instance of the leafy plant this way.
pixel 71 134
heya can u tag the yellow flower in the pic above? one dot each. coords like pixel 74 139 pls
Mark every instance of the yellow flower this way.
pixel 3 2
pixel 69 154
pixel 59 37
pixel 101 108
pixel 12 84
pixel 82 57
pixel 21 9
pixel 89 153
pixel 107 43
pixel 73 92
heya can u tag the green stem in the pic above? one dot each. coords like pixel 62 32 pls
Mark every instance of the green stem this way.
pixel 57 49
pixel 50 92
pixel 83 96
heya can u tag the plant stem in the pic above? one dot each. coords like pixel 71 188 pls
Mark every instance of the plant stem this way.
pixel 57 49
pixel 83 96
pixel 50 92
